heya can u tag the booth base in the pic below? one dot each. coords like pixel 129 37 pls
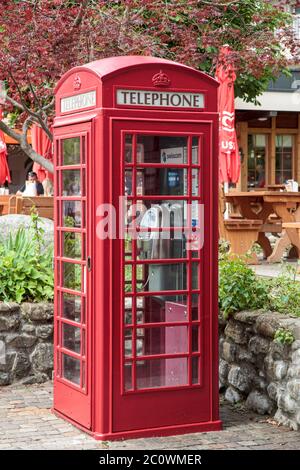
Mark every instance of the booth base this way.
pixel 152 432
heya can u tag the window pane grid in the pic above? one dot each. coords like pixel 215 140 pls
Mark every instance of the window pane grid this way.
pixel 71 255
pixel 137 272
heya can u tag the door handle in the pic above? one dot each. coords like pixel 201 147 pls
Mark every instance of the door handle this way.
pixel 89 263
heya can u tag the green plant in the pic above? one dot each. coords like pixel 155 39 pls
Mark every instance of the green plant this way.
pixel 239 288
pixel 284 336
pixel 284 292
pixel 26 269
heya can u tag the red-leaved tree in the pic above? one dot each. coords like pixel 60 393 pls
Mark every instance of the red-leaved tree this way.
pixel 41 39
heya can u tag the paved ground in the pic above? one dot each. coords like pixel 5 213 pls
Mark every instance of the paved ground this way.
pixel 265 269
pixel 27 423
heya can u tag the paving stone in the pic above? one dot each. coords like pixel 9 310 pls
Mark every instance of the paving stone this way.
pixel 25 425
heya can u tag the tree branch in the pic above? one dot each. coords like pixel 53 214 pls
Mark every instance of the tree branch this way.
pixel 80 14
pixel 25 146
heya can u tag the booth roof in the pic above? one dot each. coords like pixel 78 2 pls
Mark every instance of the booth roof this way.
pixel 105 67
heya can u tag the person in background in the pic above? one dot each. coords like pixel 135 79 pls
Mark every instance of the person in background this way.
pixel 32 176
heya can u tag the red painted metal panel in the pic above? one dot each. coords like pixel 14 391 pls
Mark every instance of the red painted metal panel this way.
pixel 98 403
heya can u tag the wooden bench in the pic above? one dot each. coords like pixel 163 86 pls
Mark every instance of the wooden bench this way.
pixel 23 205
pixel 239 232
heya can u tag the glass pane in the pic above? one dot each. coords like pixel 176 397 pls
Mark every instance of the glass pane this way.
pixel 195 150
pixel 161 277
pixel 195 370
pixel 195 182
pixel 71 183
pixel 72 276
pixel 161 181
pixel 71 337
pixel 161 245
pixel 257 151
pixel 71 151
pixel 128 278
pixel 287 141
pixel 72 244
pixel 83 375
pixel 128 148
pixel 128 246
pixel 128 310
pixel 71 307
pixel 156 213
pixel 72 214
pixel 165 308
pixel 128 183
pixel 195 339
pixel 71 369
pixel 195 307
pixel 128 342
pixel 161 149
pixel 128 376
pixel 195 275
pixel 260 140
pixel 162 373
pixel 162 340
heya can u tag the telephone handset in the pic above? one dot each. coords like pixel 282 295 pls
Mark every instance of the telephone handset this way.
pixel 161 244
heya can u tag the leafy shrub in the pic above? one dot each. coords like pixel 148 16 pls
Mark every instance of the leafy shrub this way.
pixel 284 293
pixel 239 288
pixel 26 269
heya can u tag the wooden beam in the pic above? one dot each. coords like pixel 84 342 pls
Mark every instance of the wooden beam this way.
pixel 297 152
pixel 272 153
pixel 242 133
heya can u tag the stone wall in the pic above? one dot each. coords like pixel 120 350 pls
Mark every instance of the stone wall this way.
pixel 26 342
pixel 256 368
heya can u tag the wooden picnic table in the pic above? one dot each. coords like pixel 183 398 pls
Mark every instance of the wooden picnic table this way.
pixel 4 204
pixel 260 205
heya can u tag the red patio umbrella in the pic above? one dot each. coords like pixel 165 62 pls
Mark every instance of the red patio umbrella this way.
pixel 229 159
pixel 4 170
pixel 43 146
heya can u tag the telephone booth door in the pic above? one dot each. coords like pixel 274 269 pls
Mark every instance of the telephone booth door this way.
pixel 162 373
pixel 72 276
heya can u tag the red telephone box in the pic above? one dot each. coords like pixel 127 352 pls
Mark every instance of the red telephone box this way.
pixel 136 177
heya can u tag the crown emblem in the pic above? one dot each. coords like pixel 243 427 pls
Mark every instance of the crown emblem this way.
pixel 161 79
pixel 77 82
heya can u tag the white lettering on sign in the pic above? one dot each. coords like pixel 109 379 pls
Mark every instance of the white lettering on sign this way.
pixel 75 102
pixel 160 98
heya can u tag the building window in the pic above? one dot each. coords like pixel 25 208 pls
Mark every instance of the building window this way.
pixel 284 158
pixel 296 23
pixel 257 152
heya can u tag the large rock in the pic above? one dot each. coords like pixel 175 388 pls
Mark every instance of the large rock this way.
pixel 10 223
pixel 228 351
pixel 232 395
pixel 9 322
pixel 259 345
pixel 260 403
pixel 38 312
pixel 241 378
pixel 236 332
pixel 42 357
pixel 293 388
pixel 267 324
